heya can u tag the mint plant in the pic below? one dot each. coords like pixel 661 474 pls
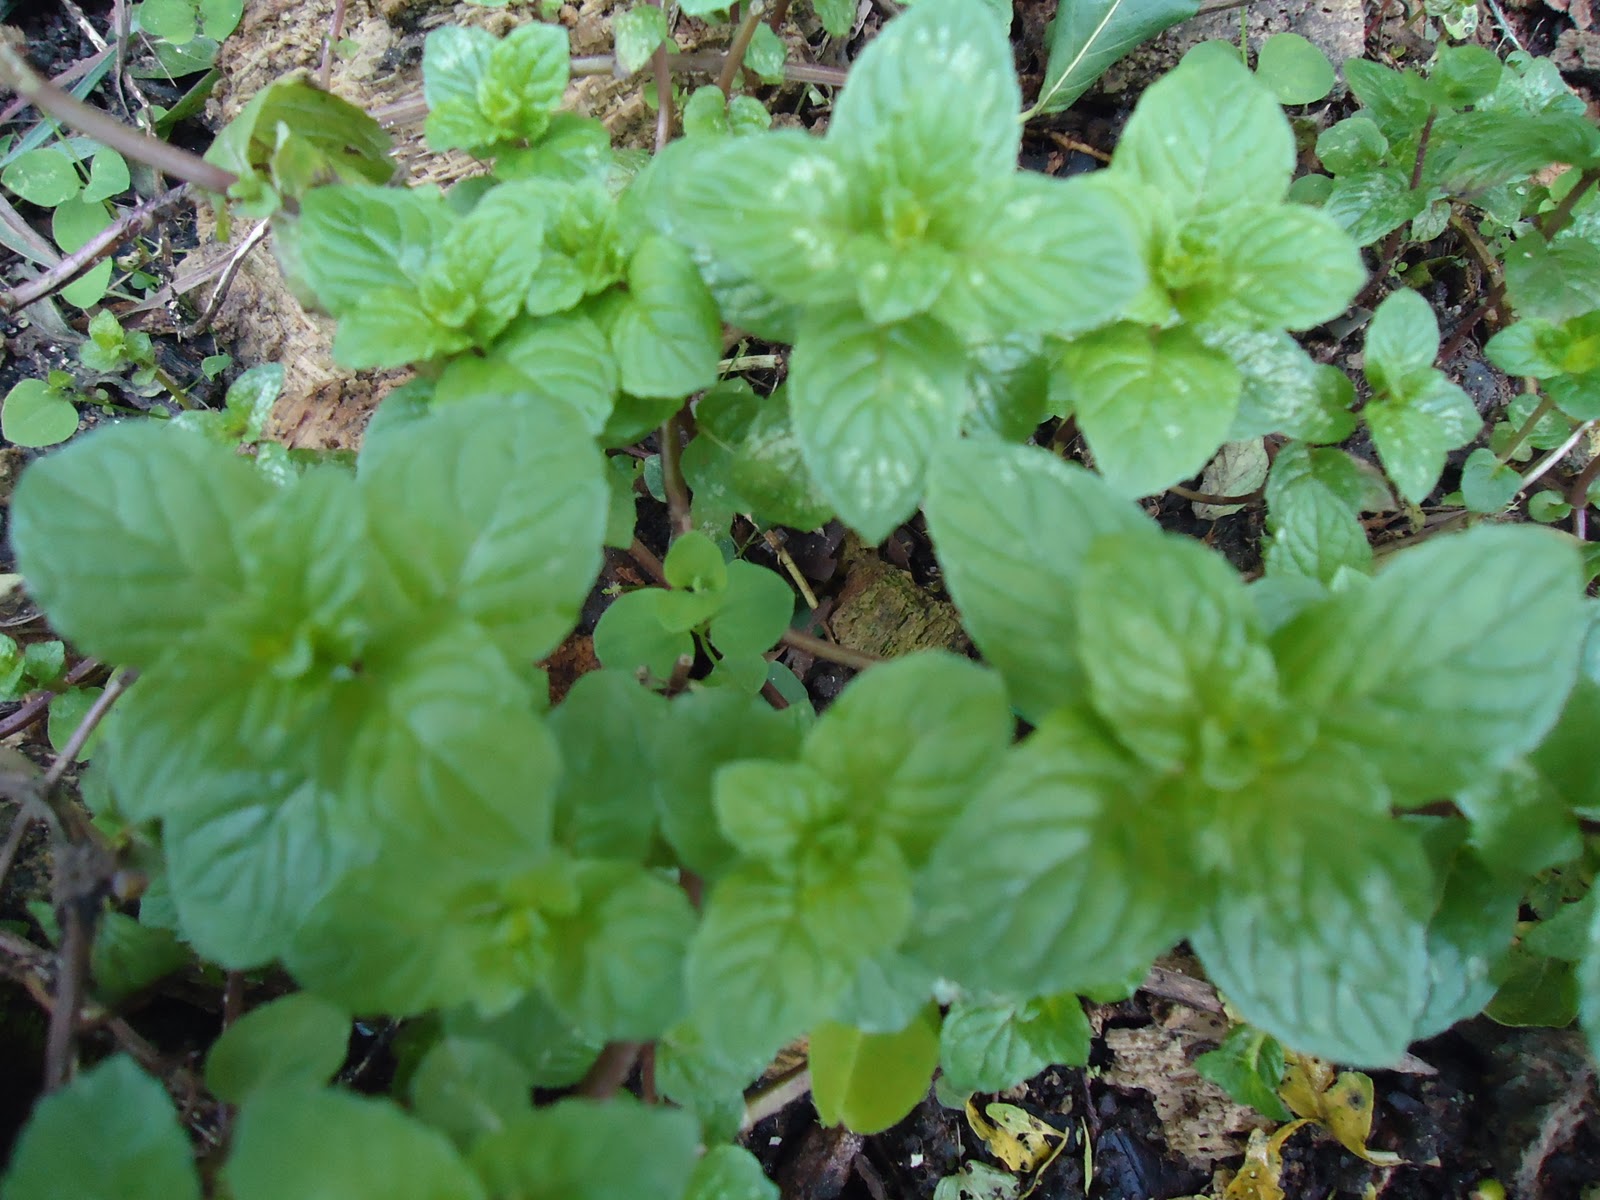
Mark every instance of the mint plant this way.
pixel 1340 782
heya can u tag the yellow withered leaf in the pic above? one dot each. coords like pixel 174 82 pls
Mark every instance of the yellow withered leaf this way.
pixel 1343 1103
pixel 1016 1137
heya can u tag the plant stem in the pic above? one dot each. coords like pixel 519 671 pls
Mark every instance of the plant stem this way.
pixel 610 1071
pixel 780 14
pixel 860 660
pixel 1554 221
pixel 86 727
pixel 1578 493
pixel 1209 498
pixel 741 43
pixel 672 477
pixel 640 553
pixel 774 1096
pixel 132 223
pixel 17 74
pixel 36 706
pixel 1540 411
pixel 1537 472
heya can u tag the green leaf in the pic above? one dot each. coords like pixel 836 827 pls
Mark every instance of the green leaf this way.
pixel 1370 204
pixel 1315 497
pixel 1088 38
pixel 1482 149
pixel 1059 877
pixel 1248 1065
pixel 1468 940
pixel 72 224
pixel 1166 623
pixel 1295 70
pixel 1283 266
pixel 1318 936
pixel 517 501
pixel 745 456
pixel 548 1050
pixel 1487 484
pixel 171 20
pixel 564 359
pixel 296 1039
pixel 634 632
pixel 989 1046
pixel 730 1173
pixel 637 32
pixel 870 406
pixel 468 1089
pixel 1352 145
pixel 869 1081
pixel 1059 256
pixel 692 1074
pixel 151 513
pixel 571 1148
pixel 1210 137
pixel 1537 991
pixel 837 16
pixel 129 957
pixel 703 731
pixel 616 966
pixel 1430 645
pixel 794 232
pixel 765 54
pixel 139 1153
pixel 606 729
pixel 482 90
pixel 896 136
pixel 667 336
pixel 1283 389
pixel 755 611
pixel 46 176
pixel 1555 281
pixel 913 740
pixel 1153 404
pixel 1402 341
pixel 1413 434
pixel 694 562
pixel 108 175
pixel 344 1146
pixel 358 241
pixel 1394 100
pixel 1011 525
pixel 35 414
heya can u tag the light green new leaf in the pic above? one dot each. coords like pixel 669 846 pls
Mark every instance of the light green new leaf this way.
pixel 152 514
pixel 344 1146
pixel 869 1081
pixel 566 359
pixel 1455 660
pixel 1011 526
pixel 637 631
pixel 667 335
pixel 1352 145
pixel 1065 874
pixel 1402 341
pixel 897 138
pixel 615 1150
pixel 1209 136
pixel 1165 624
pixel 756 607
pixel 1088 36
pixel 296 1039
pixel 870 406
pixel 45 176
pixel 139 1151
pixel 517 501
pixel 1153 404
pixel 988 1046
pixel 1317 935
